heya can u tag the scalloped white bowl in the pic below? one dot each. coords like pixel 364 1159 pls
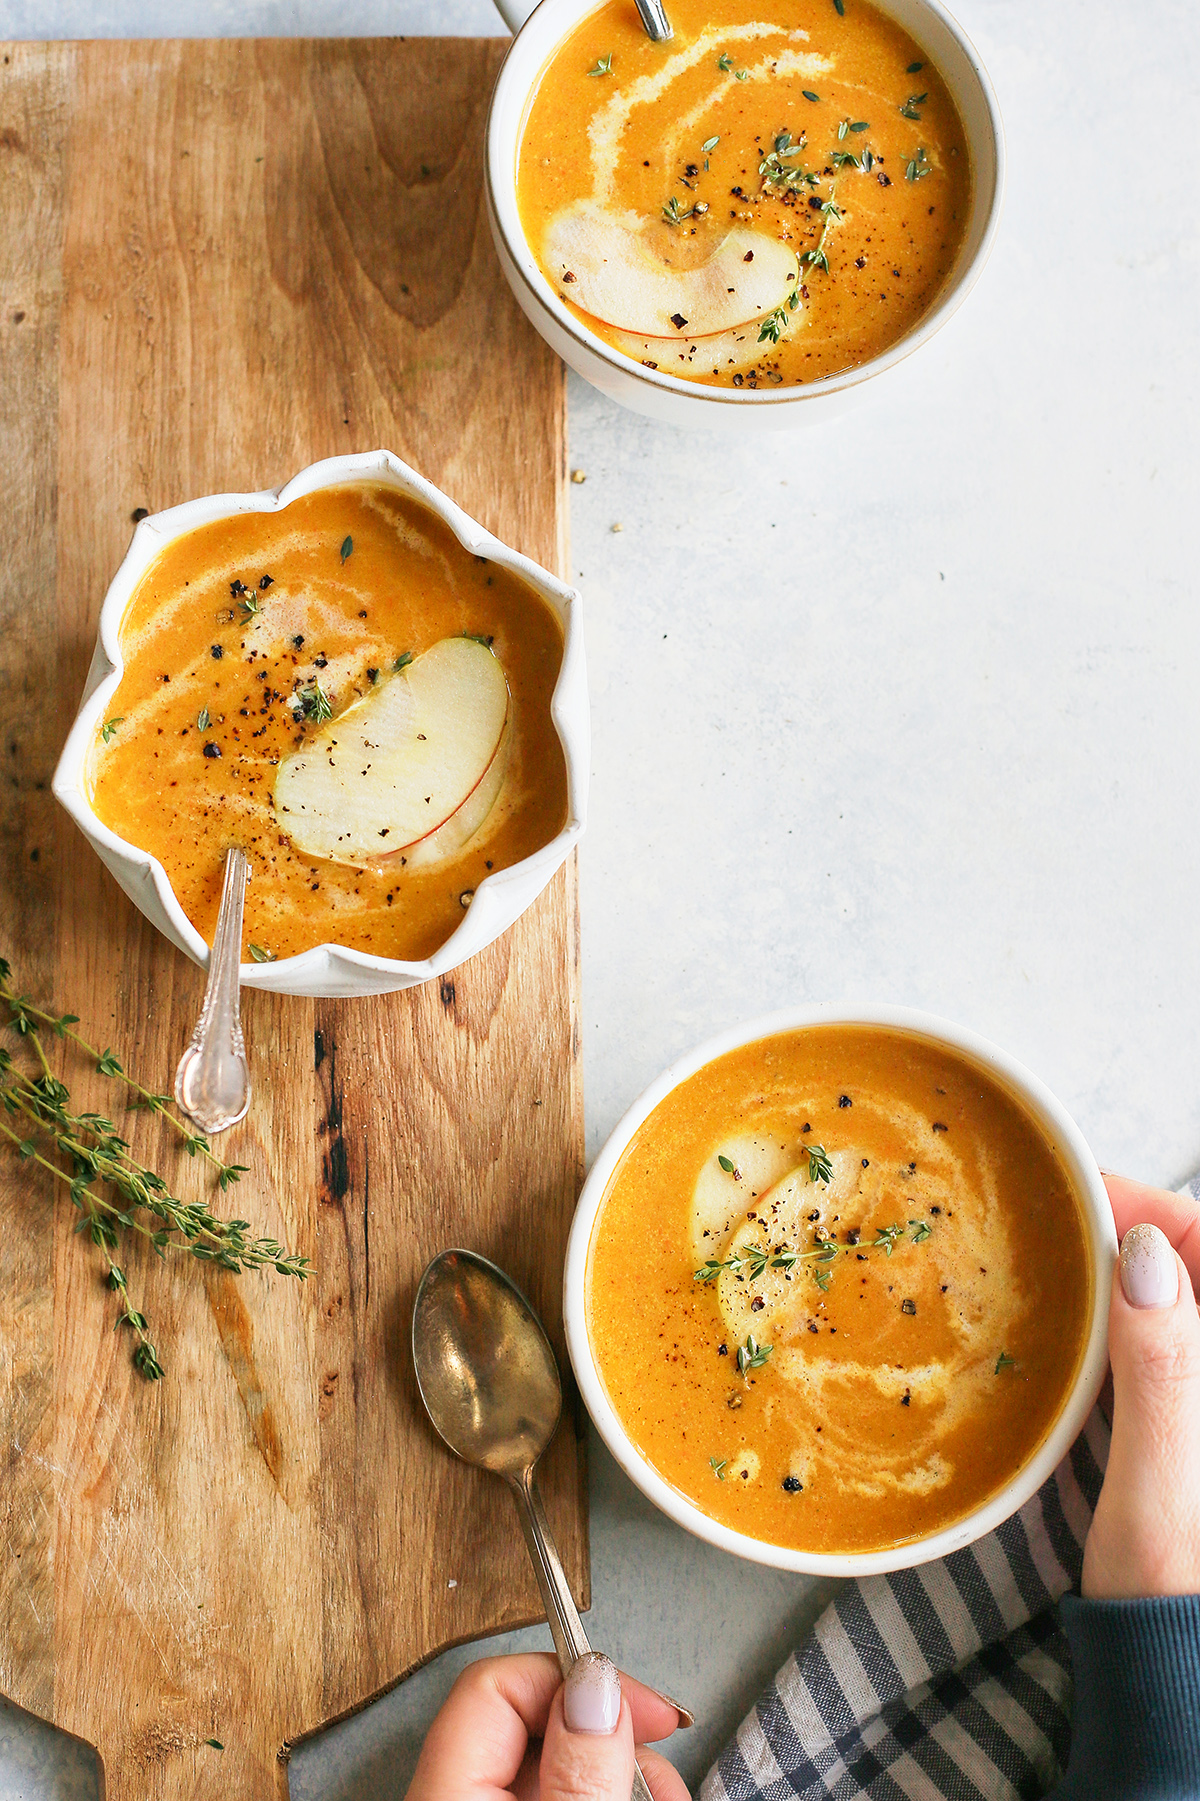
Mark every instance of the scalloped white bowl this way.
pixel 1086 1181
pixel 329 969
pixel 540 28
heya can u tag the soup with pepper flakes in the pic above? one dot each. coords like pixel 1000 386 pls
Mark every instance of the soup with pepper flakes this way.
pixel 776 195
pixel 352 697
pixel 838 1288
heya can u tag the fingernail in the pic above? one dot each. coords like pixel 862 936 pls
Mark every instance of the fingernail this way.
pixel 686 1716
pixel 1149 1272
pixel 592 1696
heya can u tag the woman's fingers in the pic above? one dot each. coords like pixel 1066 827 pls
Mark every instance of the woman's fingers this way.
pixel 654 1717
pixel 662 1779
pixel 588 1754
pixel 476 1745
pixel 1133 1203
pixel 1145 1537
pixel 588 1750
pixel 478 1748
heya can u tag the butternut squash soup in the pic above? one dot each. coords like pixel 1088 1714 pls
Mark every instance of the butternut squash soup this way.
pixel 838 1288
pixel 776 195
pixel 357 701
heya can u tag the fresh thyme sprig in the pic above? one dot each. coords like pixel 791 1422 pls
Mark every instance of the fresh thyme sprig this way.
pixel 109 728
pixel 749 1263
pixel 831 214
pixel 603 65
pixel 752 1355
pixel 909 109
pixel 26 1020
pixel 98 1166
pixel 781 176
pixel 314 703
pixel 916 169
pixel 672 213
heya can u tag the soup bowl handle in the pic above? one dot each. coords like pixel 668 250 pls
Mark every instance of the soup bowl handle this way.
pixel 515 12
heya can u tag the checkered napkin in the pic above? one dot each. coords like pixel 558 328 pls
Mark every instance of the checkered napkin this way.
pixel 950 1682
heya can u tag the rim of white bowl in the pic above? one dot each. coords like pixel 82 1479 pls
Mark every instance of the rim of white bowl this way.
pixel 568 711
pixel 551 20
pixel 1087 1184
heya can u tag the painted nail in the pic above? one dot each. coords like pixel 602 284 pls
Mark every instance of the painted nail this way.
pixel 1149 1272
pixel 686 1716
pixel 592 1695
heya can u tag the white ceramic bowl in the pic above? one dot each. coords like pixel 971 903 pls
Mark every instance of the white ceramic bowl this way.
pixel 1086 1180
pixel 330 969
pixel 668 398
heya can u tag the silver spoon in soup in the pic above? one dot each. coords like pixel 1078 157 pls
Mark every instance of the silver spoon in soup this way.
pixel 212 1083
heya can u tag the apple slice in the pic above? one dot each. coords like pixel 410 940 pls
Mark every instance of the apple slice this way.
pixel 417 762
pixel 621 275
pixel 737 348
pixel 463 824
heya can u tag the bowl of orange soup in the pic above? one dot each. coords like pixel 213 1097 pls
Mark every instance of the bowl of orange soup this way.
pixel 383 705
pixel 745 224
pixel 837 1289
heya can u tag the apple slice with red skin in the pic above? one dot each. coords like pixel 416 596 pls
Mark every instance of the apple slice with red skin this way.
pixel 738 348
pixel 622 275
pixel 413 768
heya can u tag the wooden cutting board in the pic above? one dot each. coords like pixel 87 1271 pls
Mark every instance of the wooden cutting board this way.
pixel 218 262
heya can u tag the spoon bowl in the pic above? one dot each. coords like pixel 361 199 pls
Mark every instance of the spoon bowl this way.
pixel 485 1368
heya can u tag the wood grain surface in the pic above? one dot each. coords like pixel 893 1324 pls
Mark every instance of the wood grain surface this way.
pixel 218 262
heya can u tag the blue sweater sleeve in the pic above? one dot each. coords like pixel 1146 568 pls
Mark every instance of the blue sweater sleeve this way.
pixel 1135 1724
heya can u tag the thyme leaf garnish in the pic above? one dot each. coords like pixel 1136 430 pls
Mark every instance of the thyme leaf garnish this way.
pixel 917 168
pixel 1004 1362
pixel 783 177
pixel 672 214
pixel 314 703
pixel 752 1355
pixel 909 109
pixel 347 547
pixel 717 1466
pixel 603 65
pixel 820 1169
pixel 203 720
pixel 749 1263
pixel 402 661
pixel 259 954
pixel 109 728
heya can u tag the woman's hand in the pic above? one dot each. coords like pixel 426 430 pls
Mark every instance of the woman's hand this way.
pixel 483 1744
pixel 1145 1537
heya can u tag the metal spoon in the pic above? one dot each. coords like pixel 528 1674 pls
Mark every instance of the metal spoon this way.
pixel 488 1378
pixel 212 1083
pixel 657 24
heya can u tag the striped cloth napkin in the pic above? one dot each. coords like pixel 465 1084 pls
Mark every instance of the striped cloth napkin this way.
pixel 949 1682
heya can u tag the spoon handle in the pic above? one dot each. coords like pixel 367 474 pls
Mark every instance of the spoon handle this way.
pixel 212 1083
pixel 566 1627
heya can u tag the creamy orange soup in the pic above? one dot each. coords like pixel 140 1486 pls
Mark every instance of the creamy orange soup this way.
pixel 792 180
pixel 838 1289
pixel 229 627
